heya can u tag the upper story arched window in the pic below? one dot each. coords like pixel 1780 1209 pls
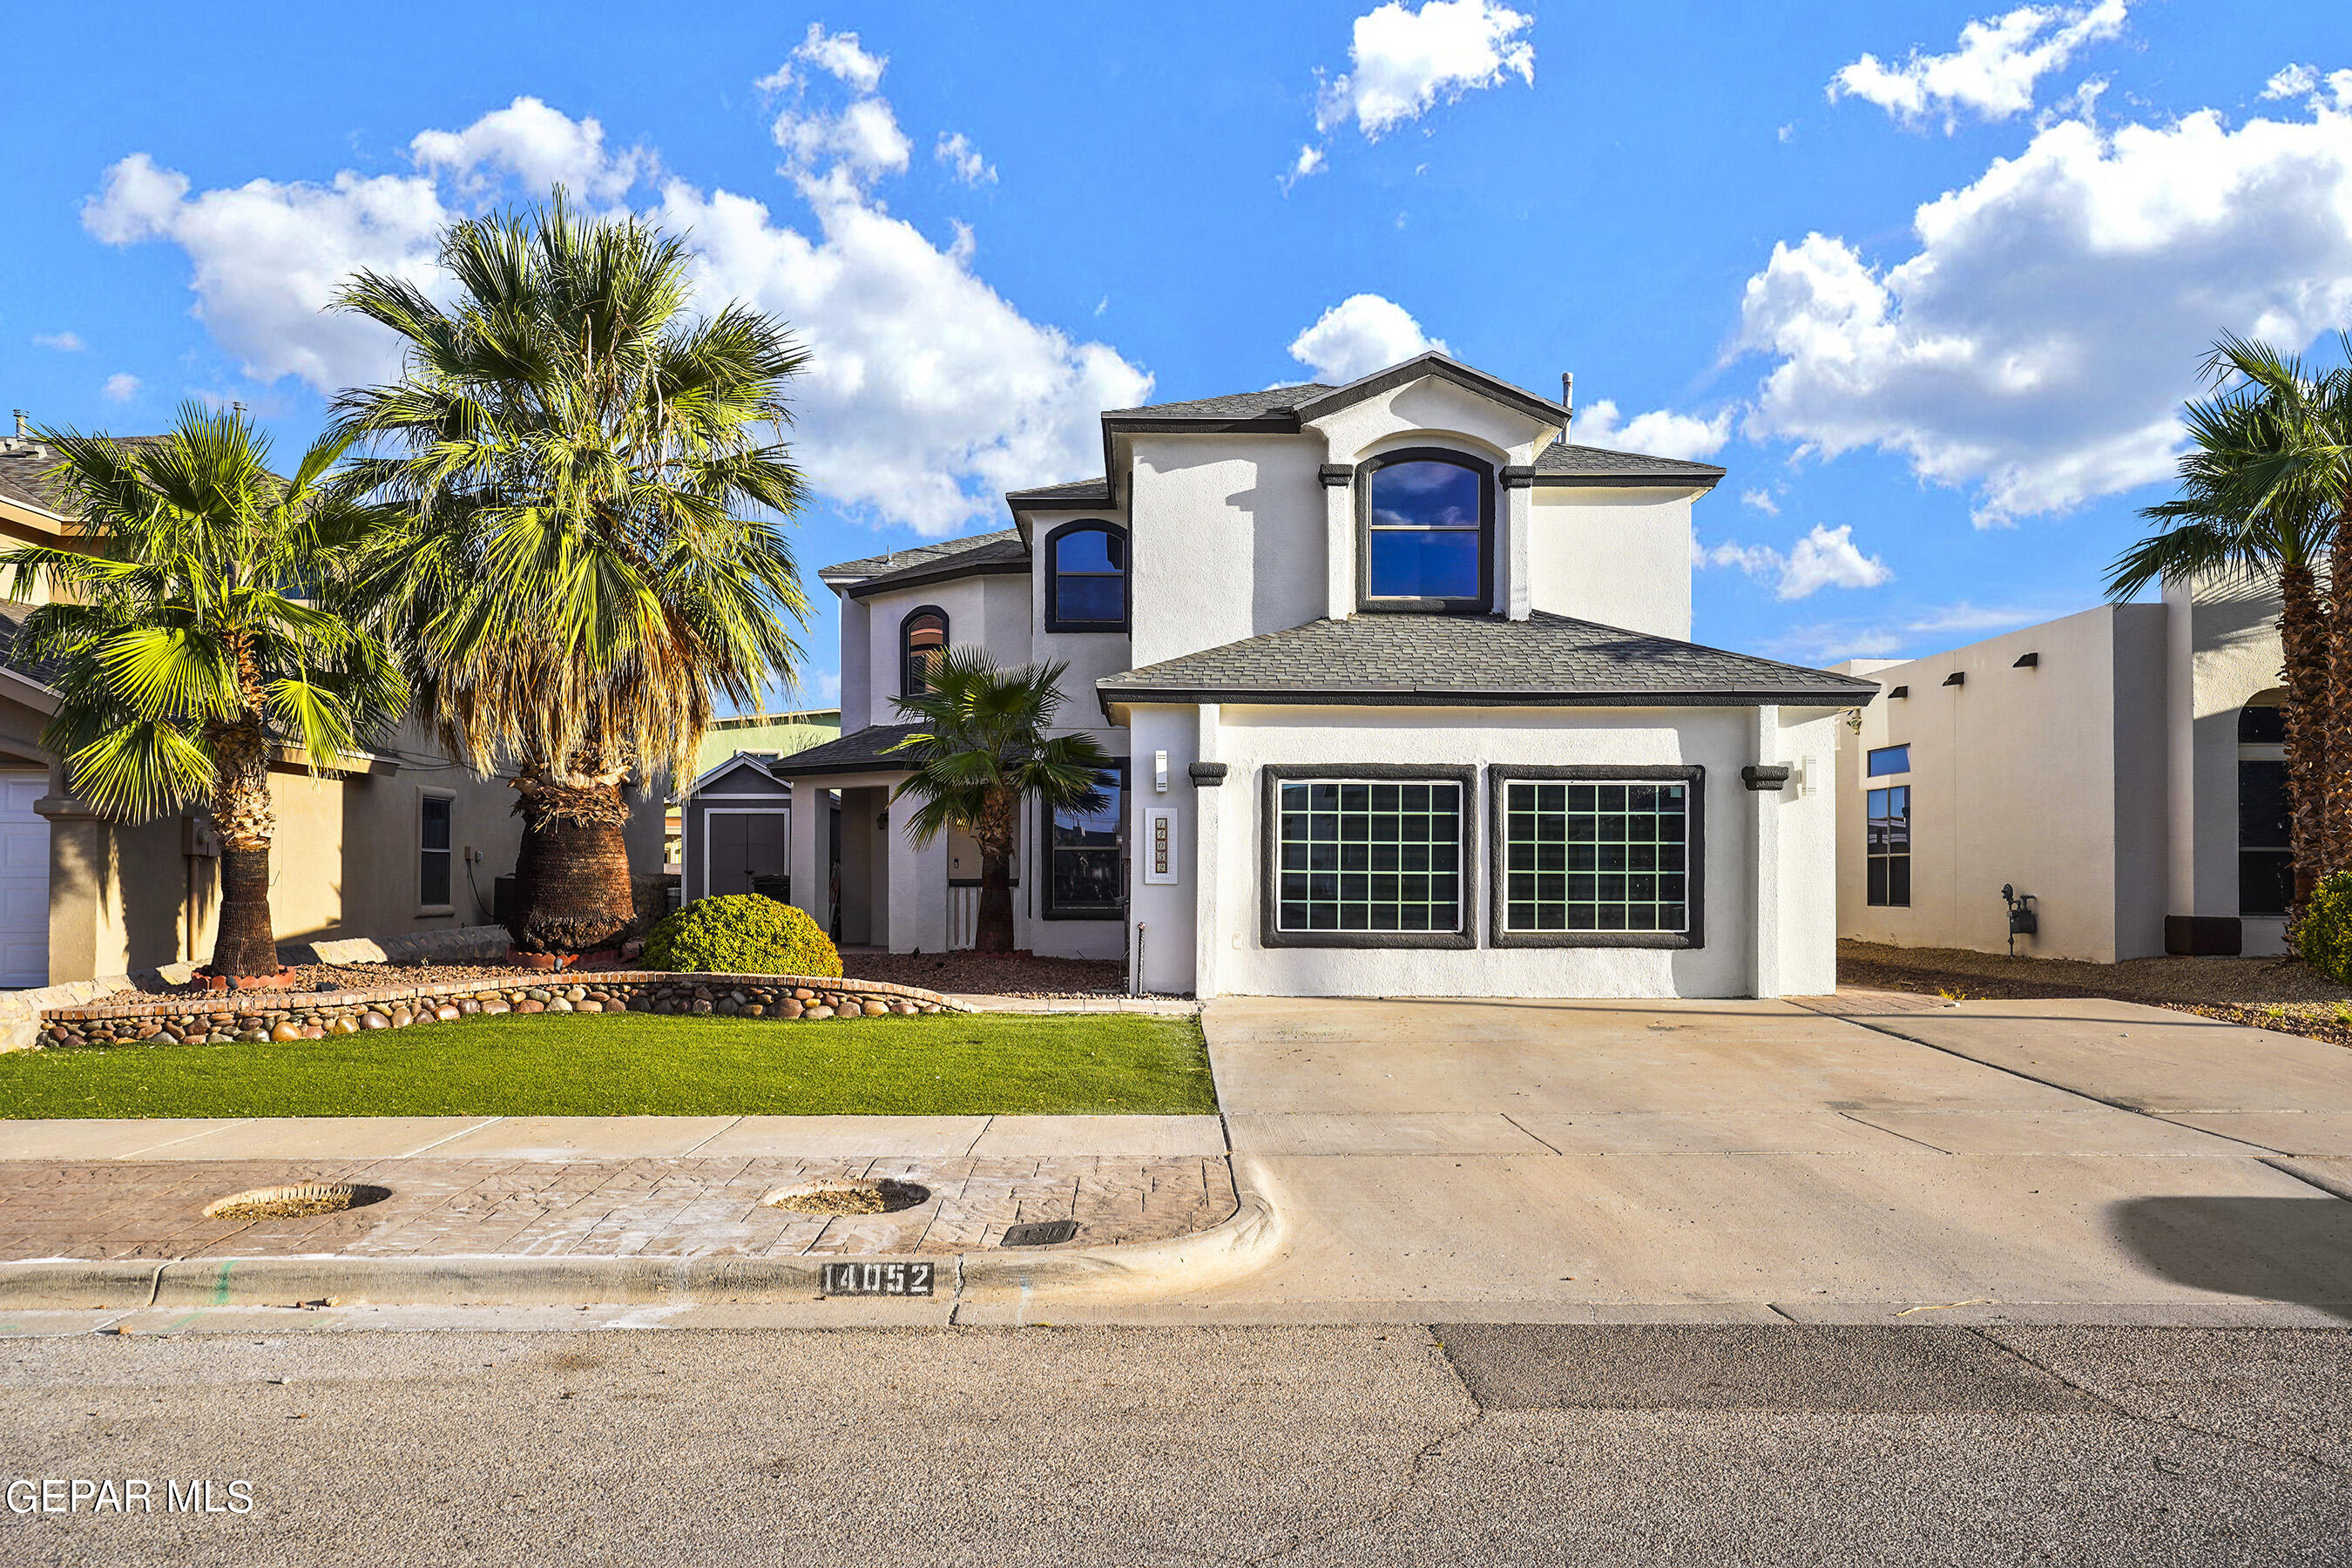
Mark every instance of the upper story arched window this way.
pixel 1086 578
pixel 922 635
pixel 1426 534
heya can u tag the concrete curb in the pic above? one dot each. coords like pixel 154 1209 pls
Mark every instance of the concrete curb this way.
pixel 1142 1271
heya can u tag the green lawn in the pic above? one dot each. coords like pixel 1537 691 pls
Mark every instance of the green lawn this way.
pixel 636 1064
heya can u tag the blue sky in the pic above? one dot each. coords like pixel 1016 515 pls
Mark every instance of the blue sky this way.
pixel 1930 280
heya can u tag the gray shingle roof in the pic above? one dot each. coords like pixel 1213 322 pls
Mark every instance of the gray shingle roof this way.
pixel 23 465
pixel 1545 660
pixel 860 751
pixel 920 559
pixel 12 626
pixel 1078 492
pixel 1566 463
pixel 1235 406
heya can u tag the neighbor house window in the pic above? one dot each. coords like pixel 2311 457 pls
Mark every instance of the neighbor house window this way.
pixel 2265 810
pixel 1888 760
pixel 1086 578
pixel 1428 519
pixel 1086 876
pixel 1887 847
pixel 922 637
pixel 1361 855
pixel 434 856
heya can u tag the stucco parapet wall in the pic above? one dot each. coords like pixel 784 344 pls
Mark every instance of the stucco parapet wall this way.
pixel 254 1016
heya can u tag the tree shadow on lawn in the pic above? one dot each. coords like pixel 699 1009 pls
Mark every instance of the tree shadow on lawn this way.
pixel 2267 1250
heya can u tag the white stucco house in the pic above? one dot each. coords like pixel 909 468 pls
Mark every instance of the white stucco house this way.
pixel 2125 766
pixel 1400 680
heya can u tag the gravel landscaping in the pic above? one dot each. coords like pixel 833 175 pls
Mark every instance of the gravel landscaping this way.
pixel 2282 994
pixel 993 975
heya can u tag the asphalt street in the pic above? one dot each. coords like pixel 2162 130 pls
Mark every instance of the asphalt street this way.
pixel 1374 1445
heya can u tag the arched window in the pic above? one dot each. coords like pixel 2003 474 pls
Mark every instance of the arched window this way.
pixel 1086 578
pixel 921 635
pixel 1426 539
pixel 2266 813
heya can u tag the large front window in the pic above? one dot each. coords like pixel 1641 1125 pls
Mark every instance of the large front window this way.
pixel 2265 811
pixel 1427 521
pixel 1086 879
pixel 1361 854
pixel 1598 856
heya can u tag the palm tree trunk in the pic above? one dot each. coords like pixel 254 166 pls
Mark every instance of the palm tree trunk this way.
pixel 2331 769
pixel 571 878
pixel 2317 666
pixel 993 931
pixel 245 946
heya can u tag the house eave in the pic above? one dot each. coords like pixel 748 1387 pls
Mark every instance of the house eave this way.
pixel 1124 697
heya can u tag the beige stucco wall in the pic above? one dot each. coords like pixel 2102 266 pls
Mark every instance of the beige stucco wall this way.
pixel 2052 778
pixel 1620 557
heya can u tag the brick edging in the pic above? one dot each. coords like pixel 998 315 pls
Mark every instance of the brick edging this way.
pixel 313 1014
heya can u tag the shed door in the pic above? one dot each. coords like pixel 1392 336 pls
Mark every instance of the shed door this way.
pixel 23 881
pixel 744 845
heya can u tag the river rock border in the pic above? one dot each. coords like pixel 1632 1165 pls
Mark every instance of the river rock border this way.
pixel 314 1015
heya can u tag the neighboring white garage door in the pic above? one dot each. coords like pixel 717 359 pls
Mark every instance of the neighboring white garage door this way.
pixel 23 881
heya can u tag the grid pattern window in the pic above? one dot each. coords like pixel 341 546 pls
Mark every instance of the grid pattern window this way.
pixel 1887 847
pixel 434 857
pixel 1599 855
pixel 1369 856
pixel 1888 760
pixel 1088 877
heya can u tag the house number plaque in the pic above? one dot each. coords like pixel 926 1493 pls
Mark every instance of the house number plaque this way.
pixel 1160 844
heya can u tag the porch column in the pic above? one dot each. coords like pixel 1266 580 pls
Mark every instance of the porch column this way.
pixel 80 883
pixel 811 814
pixel 1764 858
pixel 1208 779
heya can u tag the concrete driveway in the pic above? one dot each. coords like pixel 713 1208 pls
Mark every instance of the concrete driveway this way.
pixel 1869 1158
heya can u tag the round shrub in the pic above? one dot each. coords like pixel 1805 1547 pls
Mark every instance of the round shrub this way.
pixel 2324 937
pixel 742 933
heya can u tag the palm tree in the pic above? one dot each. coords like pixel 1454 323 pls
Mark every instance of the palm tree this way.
pixel 2231 520
pixel 590 490
pixel 983 746
pixel 199 634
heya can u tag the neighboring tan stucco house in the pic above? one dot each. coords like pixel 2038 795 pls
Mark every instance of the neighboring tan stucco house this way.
pixel 2124 765
pixel 1400 682
pixel 404 841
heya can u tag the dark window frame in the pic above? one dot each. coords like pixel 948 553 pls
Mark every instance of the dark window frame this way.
pixel 1273 776
pixel 1057 622
pixel 426 801
pixel 1482 603
pixel 905 629
pixel 1886 899
pixel 1046 908
pixel 1501 776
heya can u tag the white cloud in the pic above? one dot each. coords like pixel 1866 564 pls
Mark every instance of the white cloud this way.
pixel 64 342
pixel 2038 343
pixel 1661 433
pixel 1311 160
pixel 1402 63
pixel 1761 501
pixel 2292 81
pixel 839 55
pixel 861 141
pixel 540 147
pixel 928 393
pixel 963 160
pixel 1824 558
pixel 120 387
pixel 1992 73
pixel 1361 334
